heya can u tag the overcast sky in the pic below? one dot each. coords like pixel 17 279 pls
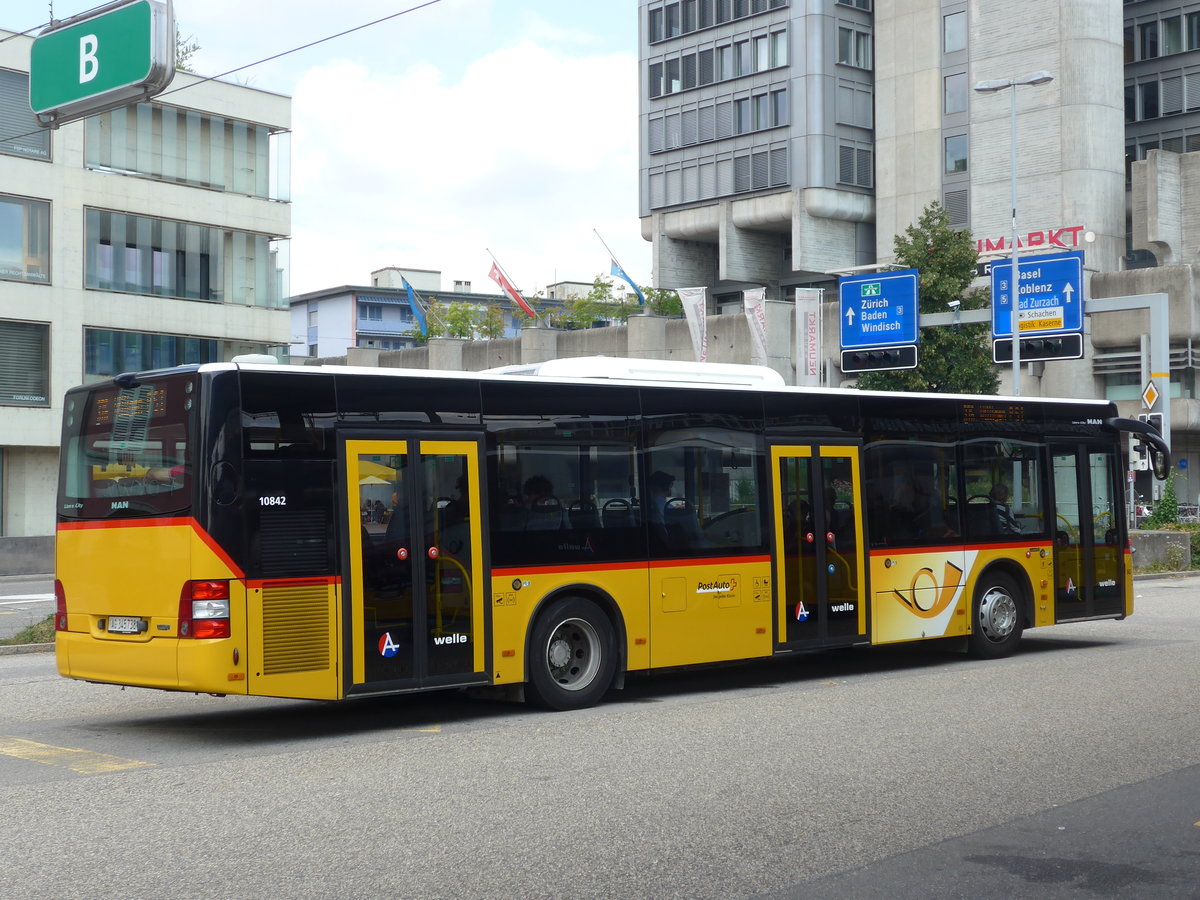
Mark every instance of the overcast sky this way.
pixel 425 140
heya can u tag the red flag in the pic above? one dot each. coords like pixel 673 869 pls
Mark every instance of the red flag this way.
pixel 505 285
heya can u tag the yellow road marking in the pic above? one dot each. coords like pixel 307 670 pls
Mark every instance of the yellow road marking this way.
pixel 84 762
pixel 436 729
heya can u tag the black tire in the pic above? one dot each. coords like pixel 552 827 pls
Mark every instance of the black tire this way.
pixel 997 617
pixel 572 655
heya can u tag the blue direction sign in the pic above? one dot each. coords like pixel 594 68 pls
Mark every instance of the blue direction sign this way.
pixel 1051 295
pixel 878 310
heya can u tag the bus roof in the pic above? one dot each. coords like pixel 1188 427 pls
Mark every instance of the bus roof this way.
pixel 644 372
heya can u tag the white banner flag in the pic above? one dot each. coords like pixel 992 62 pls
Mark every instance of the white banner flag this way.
pixel 808 336
pixel 695 308
pixel 755 303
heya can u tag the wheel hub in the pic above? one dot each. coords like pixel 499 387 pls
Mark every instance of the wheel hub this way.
pixel 559 654
pixel 997 614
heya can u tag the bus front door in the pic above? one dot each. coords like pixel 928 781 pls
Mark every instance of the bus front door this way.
pixel 1089 560
pixel 820 578
pixel 413 586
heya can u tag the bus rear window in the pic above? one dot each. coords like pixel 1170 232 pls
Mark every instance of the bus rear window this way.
pixel 126 450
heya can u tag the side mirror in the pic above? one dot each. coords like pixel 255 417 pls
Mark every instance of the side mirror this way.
pixel 1160 463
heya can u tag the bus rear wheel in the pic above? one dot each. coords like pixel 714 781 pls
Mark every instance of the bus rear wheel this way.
pixel 997 619
pixel 572 657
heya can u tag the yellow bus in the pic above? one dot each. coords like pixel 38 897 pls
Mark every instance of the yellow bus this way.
pixel 333 532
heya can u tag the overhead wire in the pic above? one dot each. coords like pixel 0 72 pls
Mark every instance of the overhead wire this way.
pixel 259 62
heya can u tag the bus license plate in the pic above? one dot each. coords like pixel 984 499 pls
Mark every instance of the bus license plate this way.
pixel 124 625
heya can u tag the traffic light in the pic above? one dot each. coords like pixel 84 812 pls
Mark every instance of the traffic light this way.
pixel 1033 349
pixel 879 359
pixel 1139 460
pixel 1154 420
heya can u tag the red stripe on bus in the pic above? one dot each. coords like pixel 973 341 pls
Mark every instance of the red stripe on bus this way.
pixel 625 566
pixel 293 582
pixel 944 548
pixel 125 523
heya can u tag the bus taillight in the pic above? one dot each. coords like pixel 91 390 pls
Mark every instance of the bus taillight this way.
pixel 60 606
pixel 204 609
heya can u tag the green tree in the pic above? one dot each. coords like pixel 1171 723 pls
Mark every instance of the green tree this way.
pixel 953 359
pixel 491 323
pixel 185 49
pixel 596 305
pixel 1166 510
pixel 461 320
pixel 663 302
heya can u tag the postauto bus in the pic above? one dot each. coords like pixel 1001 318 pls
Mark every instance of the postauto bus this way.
pixel 333 532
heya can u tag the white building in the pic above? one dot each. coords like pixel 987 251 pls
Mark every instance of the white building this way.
pixel 149 236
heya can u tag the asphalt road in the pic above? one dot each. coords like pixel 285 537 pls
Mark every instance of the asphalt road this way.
pixel 1069 770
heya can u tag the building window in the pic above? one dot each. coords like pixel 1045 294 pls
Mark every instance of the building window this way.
pixel 163 258
pixel 954 32
pixel 854 48
pixel 188 147
pixel 1149 96
pixel 762 53
pixel 312 316
pixel 24 240
pixel 779 48
pixel 741 116
pixel 1172 35
pixel 956 154
pixel 1193 31
pixel 955 93
pixel 107 353
pixel 779 107
pixel 655 26
pixel 24 364
pixel 855 166
pixel 371 312
pixel 743 62
pixel 655 77
pixel 26 136
pixel 857 4
pixel 1148 40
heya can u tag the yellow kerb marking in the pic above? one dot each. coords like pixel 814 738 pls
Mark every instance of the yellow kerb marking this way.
pixel 84 762
pixel 435 729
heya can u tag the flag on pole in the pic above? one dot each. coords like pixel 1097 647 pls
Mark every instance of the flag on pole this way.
pixel 754 303
pixel 620 273
pixel 695 309
pixel 505 285
pixel 417 308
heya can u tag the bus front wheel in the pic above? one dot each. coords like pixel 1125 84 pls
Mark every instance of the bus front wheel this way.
pixel 572 656
pixel 997 619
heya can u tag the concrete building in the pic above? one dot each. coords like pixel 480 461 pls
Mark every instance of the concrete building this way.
pixel 781 141
pixel 144 237
pixel 380 316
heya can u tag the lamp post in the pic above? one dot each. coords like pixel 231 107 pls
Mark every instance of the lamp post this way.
pixel 991 87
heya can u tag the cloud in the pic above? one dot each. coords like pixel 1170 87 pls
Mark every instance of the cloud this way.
pixel 524 154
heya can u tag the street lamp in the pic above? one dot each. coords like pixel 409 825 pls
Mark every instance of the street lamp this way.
pixel 991 87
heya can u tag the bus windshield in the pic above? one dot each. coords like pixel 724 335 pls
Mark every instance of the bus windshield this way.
pixel 126 450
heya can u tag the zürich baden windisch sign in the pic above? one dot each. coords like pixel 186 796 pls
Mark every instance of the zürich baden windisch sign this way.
pixel 878 310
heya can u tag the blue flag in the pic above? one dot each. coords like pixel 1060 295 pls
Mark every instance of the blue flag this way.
pixel 417 309
pixel 620 273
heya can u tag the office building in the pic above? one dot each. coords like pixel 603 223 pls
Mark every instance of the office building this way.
pixel 144 237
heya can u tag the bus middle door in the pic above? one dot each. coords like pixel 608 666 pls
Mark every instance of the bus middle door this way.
pixel 820 573
pixel 413 598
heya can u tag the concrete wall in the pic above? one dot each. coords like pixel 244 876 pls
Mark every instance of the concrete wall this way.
pixel 27 555
pixel 1172 549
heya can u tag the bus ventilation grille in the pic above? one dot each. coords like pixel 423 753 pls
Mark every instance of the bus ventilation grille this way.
pixel 296 628
pixel 294 543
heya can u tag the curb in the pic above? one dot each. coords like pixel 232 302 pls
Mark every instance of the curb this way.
pixel 19 649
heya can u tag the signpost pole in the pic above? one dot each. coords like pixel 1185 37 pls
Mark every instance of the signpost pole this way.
pixel 1015 292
